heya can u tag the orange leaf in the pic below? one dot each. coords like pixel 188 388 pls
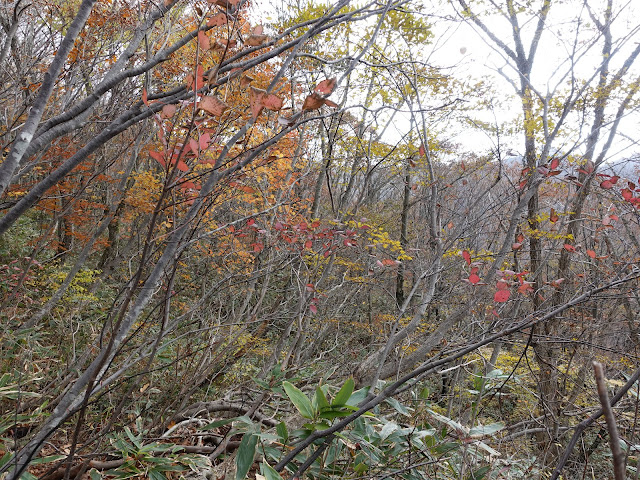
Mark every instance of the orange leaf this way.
pixel 331 104
pixel 569 248
pixel 553 216
pixel 212 105
pixel 591 253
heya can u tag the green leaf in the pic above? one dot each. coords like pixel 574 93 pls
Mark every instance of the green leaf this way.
pixel 482 430
pixel 135 440
pixel 400 408
pixel 50 458
pixel 218 423
pixel 358 396
pixel 269 472
pixel 5 458
pixel 321 399
pixel 479 474
pixel 156 475
pixel 299 399
pixel 244 457
pixel 95 474
pixel 331 414
pixel 281 428
pixel 344 394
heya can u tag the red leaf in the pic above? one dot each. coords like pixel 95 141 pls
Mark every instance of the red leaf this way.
pixel 308 244
pixel 204 140
pixel 257 247
pixel 272 102
pixel 217 20
pixel 501 296
pixel 255 98
pixel 313 309
pixel 326 254
pixel 144 97
pixel 182 166
pixel 473 278
pixel 467 257
pixel 326 87
pixel 421 150
pixel 525 288
pixel 168 111
pixel 195 83
pixel 627 194
pixel 502 285
pixel 250 222
pixel 313 102
pixel 614 179
pixel 310 287
pixel 569 248
pixel 591 253
pixel 212 105
pixel 254 40
pixel 331 104
pixel 554 163
pixel 203 41
pixel 606 184
pixel 516 246
pixel 159 157
pixel 225 3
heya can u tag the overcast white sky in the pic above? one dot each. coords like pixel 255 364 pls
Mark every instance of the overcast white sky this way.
pixel 465 46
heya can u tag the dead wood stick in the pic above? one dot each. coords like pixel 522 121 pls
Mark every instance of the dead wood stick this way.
pixel 614 438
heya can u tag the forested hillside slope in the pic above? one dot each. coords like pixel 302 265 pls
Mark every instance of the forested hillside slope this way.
pixel 386 239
